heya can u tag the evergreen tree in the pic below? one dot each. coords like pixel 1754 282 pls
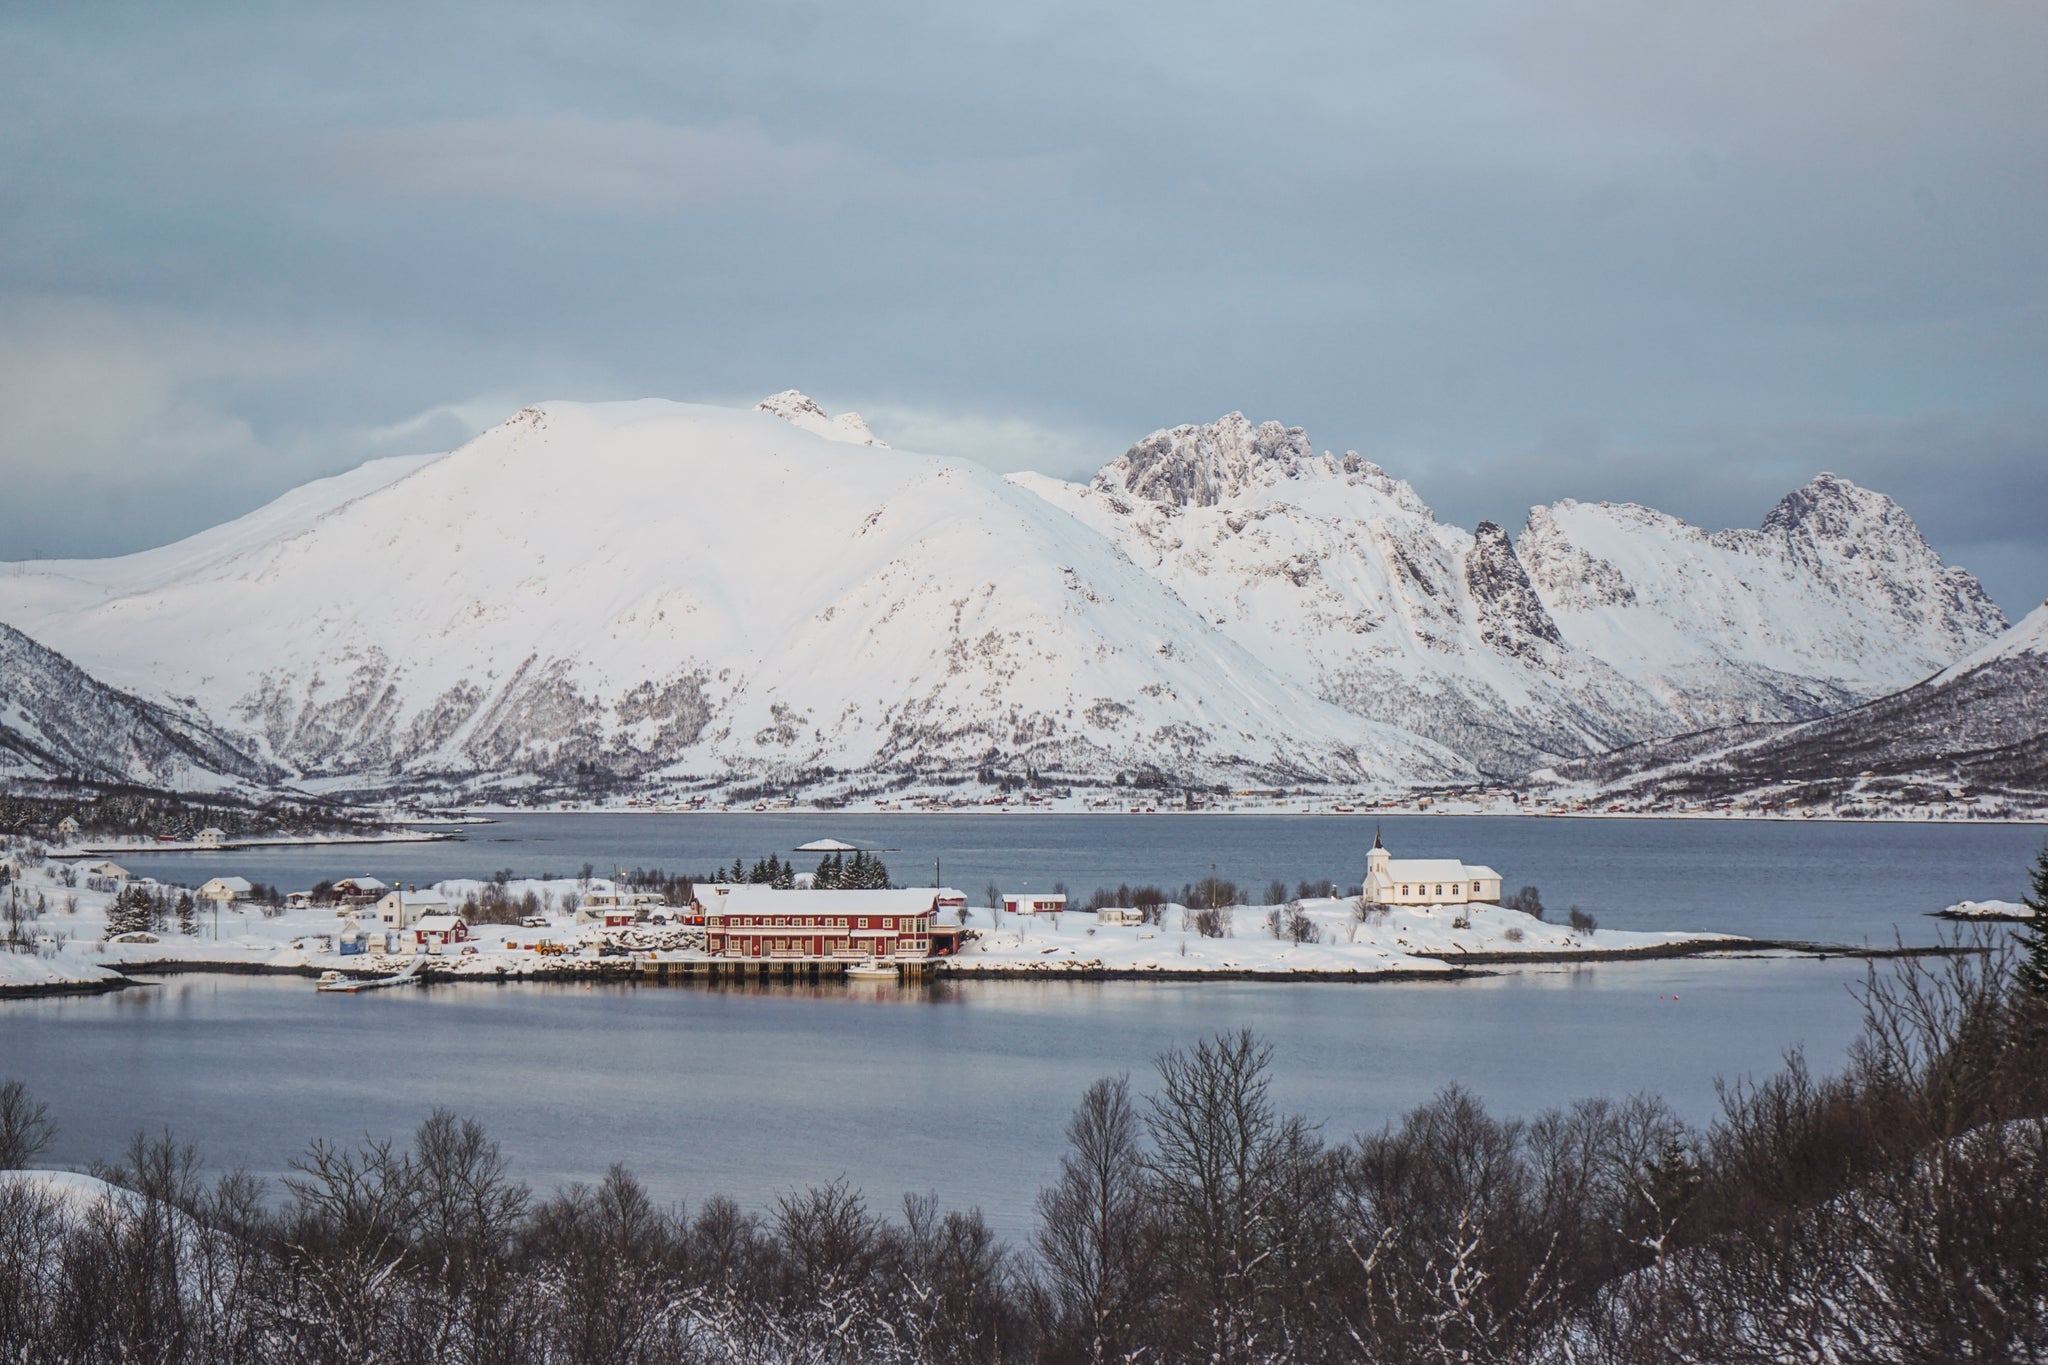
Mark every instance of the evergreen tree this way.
pixel 826 878
pixel 2033 934
pixel 856 875
pixel 188 920
pixel 130 912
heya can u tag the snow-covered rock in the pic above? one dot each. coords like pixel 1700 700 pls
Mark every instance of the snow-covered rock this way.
pixel 1974 733
pixel 56 721
pixel 801 410
pixel 632 587
pixel 1601 625
pixel 1987 910
pixel 651 589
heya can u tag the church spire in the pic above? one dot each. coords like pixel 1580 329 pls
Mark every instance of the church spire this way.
pixel 1376 837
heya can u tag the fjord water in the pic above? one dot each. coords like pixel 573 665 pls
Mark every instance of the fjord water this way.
pixel 964 1088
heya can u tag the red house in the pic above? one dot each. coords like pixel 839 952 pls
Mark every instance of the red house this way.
pixel 435 932
pixel 763 924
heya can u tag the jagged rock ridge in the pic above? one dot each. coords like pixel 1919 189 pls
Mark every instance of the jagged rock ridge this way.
pixel 659 592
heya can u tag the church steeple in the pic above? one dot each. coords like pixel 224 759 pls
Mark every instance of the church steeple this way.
pixel 1376 878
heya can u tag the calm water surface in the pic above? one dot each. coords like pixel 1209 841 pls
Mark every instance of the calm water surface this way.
pixel 964 1089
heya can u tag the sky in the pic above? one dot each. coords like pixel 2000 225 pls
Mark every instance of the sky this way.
pixel 1687 254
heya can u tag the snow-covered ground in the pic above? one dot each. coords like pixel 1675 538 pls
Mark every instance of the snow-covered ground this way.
pixel 1403 939
pixel 142 844
pixel 72 966
pixel 1987 910
pixel 72 947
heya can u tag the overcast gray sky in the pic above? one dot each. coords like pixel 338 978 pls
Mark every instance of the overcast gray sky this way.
pixel 1684 254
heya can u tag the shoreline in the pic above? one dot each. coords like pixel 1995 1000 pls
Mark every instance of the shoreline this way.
pixel 495 813
pixel 641 972
pixel 235 845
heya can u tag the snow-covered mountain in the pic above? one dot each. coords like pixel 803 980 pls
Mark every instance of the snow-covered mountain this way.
pixel 58 723
pixel 637 587
pixel 1977 731
pixel 1598 626
pixel 590 592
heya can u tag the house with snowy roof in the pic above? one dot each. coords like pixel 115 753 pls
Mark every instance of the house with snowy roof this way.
pixel 401 908
pixel 1426 881
pixel 435 932
pixel 760 922
pixel 224 890
pixel 210 837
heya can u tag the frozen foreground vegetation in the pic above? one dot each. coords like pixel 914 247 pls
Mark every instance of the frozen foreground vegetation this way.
pixel 1895 1213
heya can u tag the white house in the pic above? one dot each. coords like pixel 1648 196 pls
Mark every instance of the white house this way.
pixel 1034 902
pixel 400 909
pixel 614 908
pixel 107 867
pixel 68 826
pixel 1426 881
pixel 223 890
pixel 1119 914
pixel 210 837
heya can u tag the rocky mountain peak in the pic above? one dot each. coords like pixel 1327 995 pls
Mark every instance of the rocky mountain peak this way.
pixel 1830 507
pixel 801 410
pixel 1202 465
pixel 1510 616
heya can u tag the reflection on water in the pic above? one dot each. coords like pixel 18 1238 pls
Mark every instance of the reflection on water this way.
pixel 963 1088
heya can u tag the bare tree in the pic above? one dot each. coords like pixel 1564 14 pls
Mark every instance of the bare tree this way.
pixel 1097 1237
pixel 26 1129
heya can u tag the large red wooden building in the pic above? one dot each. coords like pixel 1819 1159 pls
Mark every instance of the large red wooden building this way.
pixel 759 923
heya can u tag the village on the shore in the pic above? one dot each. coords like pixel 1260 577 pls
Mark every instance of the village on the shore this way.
pixel 85 921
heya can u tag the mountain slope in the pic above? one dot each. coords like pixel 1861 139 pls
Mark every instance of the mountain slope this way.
pixel 1977 729
pixel 619 589
pixel 1835 599
pixel 595 593
pixel 1600 626
pixel 58 723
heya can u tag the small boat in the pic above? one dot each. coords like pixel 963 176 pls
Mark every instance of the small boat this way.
pixel 871 970
pixel 349 985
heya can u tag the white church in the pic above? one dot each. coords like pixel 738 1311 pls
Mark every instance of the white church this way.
pixel 1426 881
